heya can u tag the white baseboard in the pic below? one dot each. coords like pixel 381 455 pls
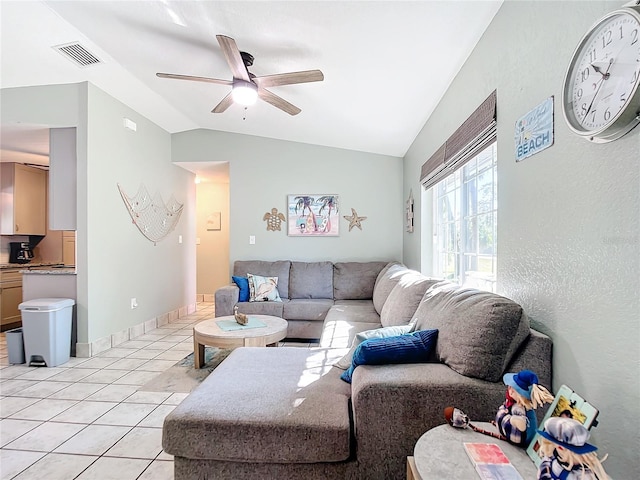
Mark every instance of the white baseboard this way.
pixel 86 350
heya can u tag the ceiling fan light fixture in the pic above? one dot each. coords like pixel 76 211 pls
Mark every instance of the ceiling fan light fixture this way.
pixel 244 93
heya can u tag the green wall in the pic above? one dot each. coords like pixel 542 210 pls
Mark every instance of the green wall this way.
pixel 568 217
pixel 262 172
pixel 121 260
pixel 114 261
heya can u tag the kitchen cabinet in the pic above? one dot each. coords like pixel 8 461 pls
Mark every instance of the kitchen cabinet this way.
pixel 69 248
pixel 10 298
pixel 24 200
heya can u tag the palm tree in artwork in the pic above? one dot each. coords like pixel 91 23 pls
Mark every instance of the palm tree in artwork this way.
pixel 329 202
pixel 304 203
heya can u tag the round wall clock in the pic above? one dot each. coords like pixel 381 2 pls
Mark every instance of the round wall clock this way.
pixel 601 94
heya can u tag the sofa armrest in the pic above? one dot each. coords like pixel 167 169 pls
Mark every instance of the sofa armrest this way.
pixel 534 354
pixel 226 298
pixel 393 405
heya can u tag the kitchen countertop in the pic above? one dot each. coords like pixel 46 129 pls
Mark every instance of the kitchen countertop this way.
pixel 30 265
pixel 50 271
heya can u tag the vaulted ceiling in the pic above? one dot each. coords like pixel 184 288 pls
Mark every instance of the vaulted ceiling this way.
pixel 386 64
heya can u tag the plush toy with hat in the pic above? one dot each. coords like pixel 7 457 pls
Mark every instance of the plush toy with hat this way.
pixel 516 417
pixel 457 418
pixel 566 454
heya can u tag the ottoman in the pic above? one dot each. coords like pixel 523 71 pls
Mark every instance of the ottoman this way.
pixel 262 409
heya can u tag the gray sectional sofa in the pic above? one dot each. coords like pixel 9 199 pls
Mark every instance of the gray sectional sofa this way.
pixel 307 290
pixel 284 413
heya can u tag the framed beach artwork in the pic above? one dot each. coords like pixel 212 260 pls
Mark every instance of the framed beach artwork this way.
pixel 312 215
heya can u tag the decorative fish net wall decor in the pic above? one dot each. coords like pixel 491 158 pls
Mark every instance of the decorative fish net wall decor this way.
pixel 152 216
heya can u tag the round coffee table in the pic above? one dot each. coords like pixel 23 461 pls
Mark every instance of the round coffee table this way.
pixel 209 333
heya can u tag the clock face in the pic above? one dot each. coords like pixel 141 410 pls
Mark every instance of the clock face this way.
pixel 600 96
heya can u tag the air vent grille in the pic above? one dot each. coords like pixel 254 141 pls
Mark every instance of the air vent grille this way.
pixel 76 52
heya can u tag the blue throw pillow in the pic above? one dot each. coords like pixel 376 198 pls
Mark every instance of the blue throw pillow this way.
pixel 243 285
pixel 411 348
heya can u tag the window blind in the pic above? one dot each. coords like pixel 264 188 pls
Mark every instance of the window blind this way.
pixel 475 134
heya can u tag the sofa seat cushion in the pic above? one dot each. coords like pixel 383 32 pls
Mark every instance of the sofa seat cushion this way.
pixel 264 268
pixel 267 405
pixel 354 311
pixel 307 309
pixel 345 320
pixel 340 334
pixel 311 280
pixel 479 331
pixel 355 280
pixel 263 308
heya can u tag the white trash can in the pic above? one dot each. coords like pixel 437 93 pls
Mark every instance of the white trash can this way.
pixel 46 328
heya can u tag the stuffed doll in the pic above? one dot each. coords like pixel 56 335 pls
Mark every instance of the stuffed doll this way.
pixel 457 418
pixel 516 417
pixel 565 453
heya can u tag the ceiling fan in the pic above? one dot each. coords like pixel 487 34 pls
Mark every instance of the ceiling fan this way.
pixel 245 86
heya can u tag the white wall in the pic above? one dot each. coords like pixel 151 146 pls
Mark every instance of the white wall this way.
pixel 568 218
pixel 264 171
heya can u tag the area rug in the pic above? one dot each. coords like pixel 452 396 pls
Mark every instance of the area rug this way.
pixel 182 377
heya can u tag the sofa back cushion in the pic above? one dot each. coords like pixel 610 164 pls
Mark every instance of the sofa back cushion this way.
pixel 387 279
pixel 354 280
pixel 479 331
pixel 278 269
pixel 311 280
pixel 404 299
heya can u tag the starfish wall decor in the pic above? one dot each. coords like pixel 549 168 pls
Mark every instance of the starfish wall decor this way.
pixel 354 219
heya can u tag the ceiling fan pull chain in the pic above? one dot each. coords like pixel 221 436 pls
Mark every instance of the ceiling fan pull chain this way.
pixel 244 117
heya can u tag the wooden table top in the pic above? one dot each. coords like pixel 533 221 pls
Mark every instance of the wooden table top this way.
pixel 209 328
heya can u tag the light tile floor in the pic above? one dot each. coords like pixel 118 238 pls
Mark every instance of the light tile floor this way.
pixel 86 419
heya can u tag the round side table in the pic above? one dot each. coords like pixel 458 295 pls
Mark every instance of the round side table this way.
pixel 440 453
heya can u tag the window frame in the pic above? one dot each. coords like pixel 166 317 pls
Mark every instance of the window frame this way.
pixel 458 184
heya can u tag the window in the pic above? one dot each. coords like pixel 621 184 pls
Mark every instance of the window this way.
pixel 461 178
pixel 465 221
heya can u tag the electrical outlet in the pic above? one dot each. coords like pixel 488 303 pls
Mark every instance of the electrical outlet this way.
pixel 252 239
pixel 179 238
pixel 134 303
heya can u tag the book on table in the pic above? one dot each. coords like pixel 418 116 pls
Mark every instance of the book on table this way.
pixel 490 461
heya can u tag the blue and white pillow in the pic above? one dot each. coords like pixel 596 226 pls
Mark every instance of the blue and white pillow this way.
pixel 412 348
pixel 263 289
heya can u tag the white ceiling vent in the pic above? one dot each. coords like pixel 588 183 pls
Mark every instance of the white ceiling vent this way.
pixel 76 52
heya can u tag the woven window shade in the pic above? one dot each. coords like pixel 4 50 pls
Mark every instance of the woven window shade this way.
pixel 473 136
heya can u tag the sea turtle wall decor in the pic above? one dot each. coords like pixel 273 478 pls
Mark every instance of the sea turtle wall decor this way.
pixel 274 219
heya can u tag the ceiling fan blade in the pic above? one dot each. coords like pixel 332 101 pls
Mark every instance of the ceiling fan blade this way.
pixel 289 78
pixel 278 102
pixel 232 55
pixel 225 103
pixel 195 79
